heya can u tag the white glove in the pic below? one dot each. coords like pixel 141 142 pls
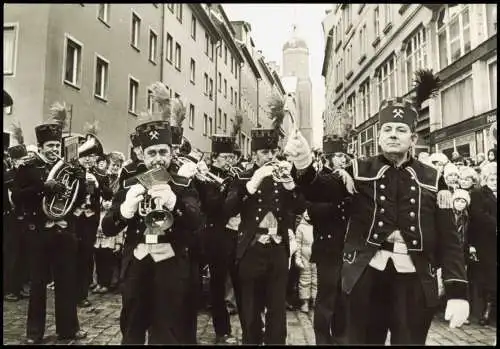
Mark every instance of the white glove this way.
pixel 165 193
pixel 298 150
pixel 472 249
pixel 258 177
pixel 132 199
pixel 293 242
pixel 202 167
pixel 457 311
pixel 106 205
pixel 188 170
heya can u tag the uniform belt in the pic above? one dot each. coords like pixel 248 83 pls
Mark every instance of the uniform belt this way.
pixel 154 239
pixel 395 247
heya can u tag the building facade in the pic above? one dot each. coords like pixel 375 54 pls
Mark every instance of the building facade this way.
pixel 51 54
pixel 101 60
pixel 373 50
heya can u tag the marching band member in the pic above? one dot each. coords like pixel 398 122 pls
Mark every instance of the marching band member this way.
pixel 396 238
pixel 263 246
pixel 156 267
pixel 54 242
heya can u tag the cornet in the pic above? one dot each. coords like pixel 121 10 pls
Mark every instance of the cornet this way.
pixel 281 174
pixel 205 177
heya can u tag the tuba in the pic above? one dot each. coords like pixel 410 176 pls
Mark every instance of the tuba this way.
pixel 57 206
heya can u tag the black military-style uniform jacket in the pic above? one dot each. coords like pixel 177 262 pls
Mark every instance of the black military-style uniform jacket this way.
pixel 328 217
pixel 186 213
pixel 29 190
pixel 269 197
pixel 403 199
pixel 8 182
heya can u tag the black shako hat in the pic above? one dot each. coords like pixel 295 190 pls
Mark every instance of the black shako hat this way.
pixel 264 138
pixel 48 132
pixel 134 139
pixel 6 140
pixel 222 144
pixel 177 133
pixel 153 133
pixel 17 151
pixel 398 110
pixel 334 144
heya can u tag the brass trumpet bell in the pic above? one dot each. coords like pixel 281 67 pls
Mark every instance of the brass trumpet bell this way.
pixel 280 174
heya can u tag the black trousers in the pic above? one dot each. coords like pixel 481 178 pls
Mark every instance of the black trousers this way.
pixel 104 264
pixel 16 253
pixel 262 274
pixel 55 249
pixel 329 317
pixel 153 300
pixel 193 299
pixel 387 300
pixel 87 235
pixel 221 261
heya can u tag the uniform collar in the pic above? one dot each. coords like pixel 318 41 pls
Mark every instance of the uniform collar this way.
pixel 408 162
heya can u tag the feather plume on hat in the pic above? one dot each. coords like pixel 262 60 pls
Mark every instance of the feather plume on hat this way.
pixel 276 106
pixel 426 86
pixel 17 133
pixel 178 113
pixel 161 96
pixel 144 117
pixel 238 121
pixel 91 128
pixel 59 114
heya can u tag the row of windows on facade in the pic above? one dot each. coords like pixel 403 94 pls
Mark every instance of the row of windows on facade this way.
pixel 457 102
pixel 454 41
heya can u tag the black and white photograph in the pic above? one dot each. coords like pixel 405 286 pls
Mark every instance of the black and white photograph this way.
pixel 250 174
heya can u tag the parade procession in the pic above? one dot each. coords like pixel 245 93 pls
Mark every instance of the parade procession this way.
pixel 150 224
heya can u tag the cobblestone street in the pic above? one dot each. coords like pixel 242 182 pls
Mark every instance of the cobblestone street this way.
pixel 101 322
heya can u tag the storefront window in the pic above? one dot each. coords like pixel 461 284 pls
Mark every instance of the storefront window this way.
pixel 456 102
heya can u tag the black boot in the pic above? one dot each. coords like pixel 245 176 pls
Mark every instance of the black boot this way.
pixel 485 317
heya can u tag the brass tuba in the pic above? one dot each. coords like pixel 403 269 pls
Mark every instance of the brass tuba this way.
pixel 57 206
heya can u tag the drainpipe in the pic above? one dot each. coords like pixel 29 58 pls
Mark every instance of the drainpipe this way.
pixel 162 57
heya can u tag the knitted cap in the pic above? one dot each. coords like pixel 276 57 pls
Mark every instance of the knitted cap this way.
pixel 461 194
pixel 450 168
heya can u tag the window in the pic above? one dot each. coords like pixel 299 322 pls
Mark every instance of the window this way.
pixel 364 101
pixel 492 75
pixel 193 27
pixel 210 126
pixel 9 49
pixel 136 31
pixel 362 41
pixel 388 14
pixel 348 60
pixel 178 12
pixel 376 21
pixel 386 80
pixel 351 107
pixel 153 39
pixel 133 89
pixel 491 18
pixel 103 13
pixel 101 78
pixel 177 56
pixel 205 79
pixel 232 64
pixel 453 24
pixel 72 70
pixel 231 95
pixel 457 102
pixel 225 55
pixel 415 57
pixel 348 17
pixel 220 82
pixel 225 88
pixel 207 43
pixel 236 98
pixel 150 102
pixel 367 142
pixel 219 120
pixel 191 116
pixel 225 122
pixel 205 124
pixel 212 47
pixel 235 69
pixel 220 50
pixel 171 7
pixel 211 89
pixel 192 71
pixel 170 48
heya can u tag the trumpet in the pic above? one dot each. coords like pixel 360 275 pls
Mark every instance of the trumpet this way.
pixel 281 174
pixel 205 177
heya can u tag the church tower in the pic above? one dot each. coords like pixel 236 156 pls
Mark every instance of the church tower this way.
pixel 296 63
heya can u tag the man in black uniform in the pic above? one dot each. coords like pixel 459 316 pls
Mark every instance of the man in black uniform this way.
pixel 329 219
pixel 156 273
pixel 220 242
pixel 54 242
pixel 396 238
pixel 263 240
